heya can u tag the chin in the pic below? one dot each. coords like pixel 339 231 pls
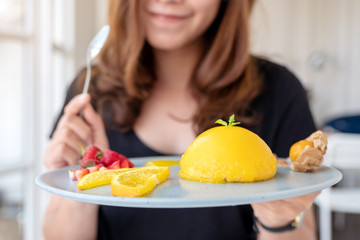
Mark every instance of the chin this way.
pixel 168 44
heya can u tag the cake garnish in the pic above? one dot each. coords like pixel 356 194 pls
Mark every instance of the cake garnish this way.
pixel 230 123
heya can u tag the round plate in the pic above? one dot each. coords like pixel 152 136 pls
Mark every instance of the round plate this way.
pixel 179 193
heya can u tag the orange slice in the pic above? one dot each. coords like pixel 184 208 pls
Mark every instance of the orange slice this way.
pixel 139 181
pixel 99 178
pixel 161 163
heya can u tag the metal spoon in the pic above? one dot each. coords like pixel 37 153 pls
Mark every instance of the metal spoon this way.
pixel 93 50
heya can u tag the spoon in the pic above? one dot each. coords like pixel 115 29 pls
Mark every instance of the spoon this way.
pixel 93 50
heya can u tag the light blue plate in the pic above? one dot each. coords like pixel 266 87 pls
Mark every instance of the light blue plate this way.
pixel 179 193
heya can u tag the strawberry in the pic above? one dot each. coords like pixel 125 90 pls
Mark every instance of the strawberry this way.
pixel 115 165
pixel 91 157
pixel 79 173
pixel 131 165
pixel 95 168
pixel 124 164
pixel 88 163
pixel 111 156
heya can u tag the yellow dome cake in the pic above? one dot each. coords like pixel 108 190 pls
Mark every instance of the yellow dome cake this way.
pixel 228 154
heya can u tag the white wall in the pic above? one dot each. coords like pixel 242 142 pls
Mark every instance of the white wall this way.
pixel 320 41
pixel 90 16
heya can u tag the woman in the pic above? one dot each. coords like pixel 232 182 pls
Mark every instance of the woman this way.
pixel 169 69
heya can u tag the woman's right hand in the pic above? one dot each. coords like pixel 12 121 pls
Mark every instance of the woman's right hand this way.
pixel 74 132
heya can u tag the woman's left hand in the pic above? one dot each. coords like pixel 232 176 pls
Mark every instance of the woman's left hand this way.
pixel 282 212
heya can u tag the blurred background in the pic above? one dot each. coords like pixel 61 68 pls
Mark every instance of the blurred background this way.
pixel 43 45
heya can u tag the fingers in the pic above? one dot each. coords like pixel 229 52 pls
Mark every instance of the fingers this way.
pixel 73 121
pixel 96 123
pixel 58 155
pixel 74 132
pixel 67 137
pixel 77 126
pixel 76 104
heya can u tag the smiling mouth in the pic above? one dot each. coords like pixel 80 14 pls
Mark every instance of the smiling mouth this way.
pixel 168 18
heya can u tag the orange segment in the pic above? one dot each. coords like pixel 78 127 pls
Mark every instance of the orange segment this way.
pixel 99 178
pixel 297 148
pixel 139 181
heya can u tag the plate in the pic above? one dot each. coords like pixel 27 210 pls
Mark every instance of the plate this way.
pixel 179 193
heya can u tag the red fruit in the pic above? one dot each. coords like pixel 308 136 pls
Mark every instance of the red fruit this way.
pixel 79 173
pixel 131 165
pixel 91 157
pixel 110 157
pixel 88 163
pixel 115 165
pixel 95 168
pixel 124 164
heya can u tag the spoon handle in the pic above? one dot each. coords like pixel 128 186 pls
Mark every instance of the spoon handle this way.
pixel 88 74
pixel 93 49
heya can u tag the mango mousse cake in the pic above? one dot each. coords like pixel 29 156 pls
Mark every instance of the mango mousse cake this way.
pixel 228 153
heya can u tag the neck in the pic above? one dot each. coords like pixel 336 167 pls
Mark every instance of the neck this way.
pixel 175 68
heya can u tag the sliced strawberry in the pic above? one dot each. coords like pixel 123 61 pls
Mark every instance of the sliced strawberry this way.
pixel 79 173
pixel 95 168
pixel 124 164
pixel 91 157
pixel 110 157
pixel 103 168
pixel 131 165
pixel 115 165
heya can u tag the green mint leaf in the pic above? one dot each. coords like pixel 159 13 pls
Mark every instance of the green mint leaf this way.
pixel 221 122
pixel 231 121
pixel 234 123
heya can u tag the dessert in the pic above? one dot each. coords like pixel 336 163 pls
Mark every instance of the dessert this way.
pixel 307 155
pixel 228 153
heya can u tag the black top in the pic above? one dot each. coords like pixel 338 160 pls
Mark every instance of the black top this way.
pixel 286 118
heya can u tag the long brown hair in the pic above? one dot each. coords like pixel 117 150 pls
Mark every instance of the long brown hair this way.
pixel 225 81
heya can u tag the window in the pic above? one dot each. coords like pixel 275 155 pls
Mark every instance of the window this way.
pixel 15 48
pixel 36 62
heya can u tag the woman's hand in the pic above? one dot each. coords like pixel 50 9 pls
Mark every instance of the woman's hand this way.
pixel 74 132
pixel 281 212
